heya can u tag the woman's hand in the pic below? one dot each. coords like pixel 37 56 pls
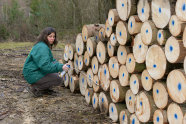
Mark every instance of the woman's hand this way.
pixel 66 67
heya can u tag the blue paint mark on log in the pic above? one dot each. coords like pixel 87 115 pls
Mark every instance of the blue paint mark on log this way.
pixel 175 116
pixel 123 74
pixel 158 119
pixel 154 66
pixel 159 35
pixel 183 7
pixel 160 10
pixel 179 86
pixel 142 10
pixel 157 91
pixel 171 48
pixel 146 78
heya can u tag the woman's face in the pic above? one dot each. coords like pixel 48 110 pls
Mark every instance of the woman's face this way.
pixel 51 38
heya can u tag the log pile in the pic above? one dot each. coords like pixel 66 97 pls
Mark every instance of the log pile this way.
pixel 133 67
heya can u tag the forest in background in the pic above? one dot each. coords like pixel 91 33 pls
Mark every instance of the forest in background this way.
pixel 22 20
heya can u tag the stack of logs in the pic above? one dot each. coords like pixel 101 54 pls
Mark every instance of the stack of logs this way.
pixel 133 67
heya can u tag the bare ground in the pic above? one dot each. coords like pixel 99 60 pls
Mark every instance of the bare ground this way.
pixel 18 107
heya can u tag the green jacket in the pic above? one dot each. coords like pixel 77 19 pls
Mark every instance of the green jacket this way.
pixel 39 63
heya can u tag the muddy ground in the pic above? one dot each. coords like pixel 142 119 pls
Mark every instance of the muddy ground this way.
pixel 18 107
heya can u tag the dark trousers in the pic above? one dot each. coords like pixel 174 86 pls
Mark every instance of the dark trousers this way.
pixel 47 82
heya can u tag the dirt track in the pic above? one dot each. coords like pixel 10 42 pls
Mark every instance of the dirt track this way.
pixel 18 107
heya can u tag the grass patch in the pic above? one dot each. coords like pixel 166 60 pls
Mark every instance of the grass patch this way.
pixel 60 45
pixel 15 45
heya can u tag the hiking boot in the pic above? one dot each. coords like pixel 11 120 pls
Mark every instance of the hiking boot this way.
pixel 34 92
pixel 49 92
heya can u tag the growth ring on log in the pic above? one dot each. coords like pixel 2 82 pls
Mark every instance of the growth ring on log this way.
pixel 156 62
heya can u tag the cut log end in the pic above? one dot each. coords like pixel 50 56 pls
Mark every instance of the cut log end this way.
pixel 88 95
pixel 124 117
pixel 143 10
pixel 160 95
pixel 122 54
pixel 83 83
pixel 135 83
pixel 174 114
pixel 134 119
pixel 86 59
pixel 96 84
pixel 130 101
pixel 174 50
pixel 161 12
pixel 104 102
pixel 90 77
pixel 66 80
pixel 122 33
pixel 157 67
pixel 95 65
pixel 123 76
pixel 146 80
pixel 160 117
pixel 113 67
pixel 139 49
pixel 79 44
pixel 134 25
pixel 95 101
pixel 180 9
pixel 144 114
pixel 175 26
pixel 176 86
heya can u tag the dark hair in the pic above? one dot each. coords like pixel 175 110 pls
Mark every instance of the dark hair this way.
pixel 43 36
